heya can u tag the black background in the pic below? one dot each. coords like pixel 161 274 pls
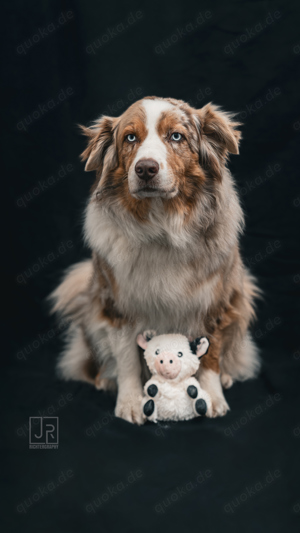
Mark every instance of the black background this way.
pixel 66 63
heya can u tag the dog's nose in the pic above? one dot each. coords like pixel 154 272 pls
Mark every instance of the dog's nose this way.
pixel 146 169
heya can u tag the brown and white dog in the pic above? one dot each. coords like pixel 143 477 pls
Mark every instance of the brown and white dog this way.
pixel 163 223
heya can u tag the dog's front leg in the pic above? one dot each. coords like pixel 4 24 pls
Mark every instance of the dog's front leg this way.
pixel 130 393
pixel 210 379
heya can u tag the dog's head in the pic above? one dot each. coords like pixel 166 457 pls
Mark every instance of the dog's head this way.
pixel 160 147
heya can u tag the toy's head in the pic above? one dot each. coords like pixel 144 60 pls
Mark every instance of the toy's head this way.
pixel 172 356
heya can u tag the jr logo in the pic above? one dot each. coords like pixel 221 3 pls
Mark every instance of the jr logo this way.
pixel 43 432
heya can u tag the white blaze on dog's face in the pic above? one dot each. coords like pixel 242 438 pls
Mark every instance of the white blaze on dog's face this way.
pixel 150 173
pixel 160 147
pixel 170 356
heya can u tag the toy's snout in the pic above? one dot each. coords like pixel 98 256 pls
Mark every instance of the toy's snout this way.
pixel 167 365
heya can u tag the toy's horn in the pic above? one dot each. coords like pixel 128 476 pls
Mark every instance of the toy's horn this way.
pixel 149 334
pixel 144 338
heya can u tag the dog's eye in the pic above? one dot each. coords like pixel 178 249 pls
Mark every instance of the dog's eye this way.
pixel 180 354
pixel 176 136
pixel 131 138
pixel 157 351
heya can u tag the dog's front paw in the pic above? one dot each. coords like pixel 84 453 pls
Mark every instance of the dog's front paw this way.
pixel 129 408
pixel 219 407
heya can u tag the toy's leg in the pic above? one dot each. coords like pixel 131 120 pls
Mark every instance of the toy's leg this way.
pixel 192 391
pixel 149 409
pixel 201 405
pixel 152 390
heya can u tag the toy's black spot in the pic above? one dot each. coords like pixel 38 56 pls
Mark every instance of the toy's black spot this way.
pixel 201 406
pixel 161 362
pixel 171 361
pixel 149 408
pixel 192 391
pixel 194 344
pixel 152 390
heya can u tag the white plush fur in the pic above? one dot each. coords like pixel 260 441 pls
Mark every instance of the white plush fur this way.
pixel 172 401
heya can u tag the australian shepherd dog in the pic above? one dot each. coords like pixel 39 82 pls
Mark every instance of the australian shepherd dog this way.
pixel 163 223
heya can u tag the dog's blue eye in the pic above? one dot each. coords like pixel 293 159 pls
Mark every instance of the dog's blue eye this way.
pixel 157 351
pixel 131 138
pixel 180 354
pixel 176 137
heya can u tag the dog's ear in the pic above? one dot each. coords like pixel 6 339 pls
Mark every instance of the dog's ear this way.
pixel 143 338
pixel 218 137
pixel 218 128
pixel 200 346
pixel 101 140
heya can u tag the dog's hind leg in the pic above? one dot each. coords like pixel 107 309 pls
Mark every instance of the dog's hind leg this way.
pixel 239 355
pixel 76 361
pixel 81 361
pixel 240 360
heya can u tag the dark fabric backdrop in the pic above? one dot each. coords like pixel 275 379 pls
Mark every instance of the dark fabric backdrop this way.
pixel 66 63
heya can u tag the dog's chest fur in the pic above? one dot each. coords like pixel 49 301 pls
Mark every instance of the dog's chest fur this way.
pixel 159 283
pixel 154 279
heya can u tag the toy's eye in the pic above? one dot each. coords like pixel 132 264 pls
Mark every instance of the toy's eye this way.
pixel 131 138
pixel 176 136
pixel 157 351
pixel 180 354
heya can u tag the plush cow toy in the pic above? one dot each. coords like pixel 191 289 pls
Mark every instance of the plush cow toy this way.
pixel 173 393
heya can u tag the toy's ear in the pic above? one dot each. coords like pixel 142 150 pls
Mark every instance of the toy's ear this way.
pixel 143 339
pixel 200 346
